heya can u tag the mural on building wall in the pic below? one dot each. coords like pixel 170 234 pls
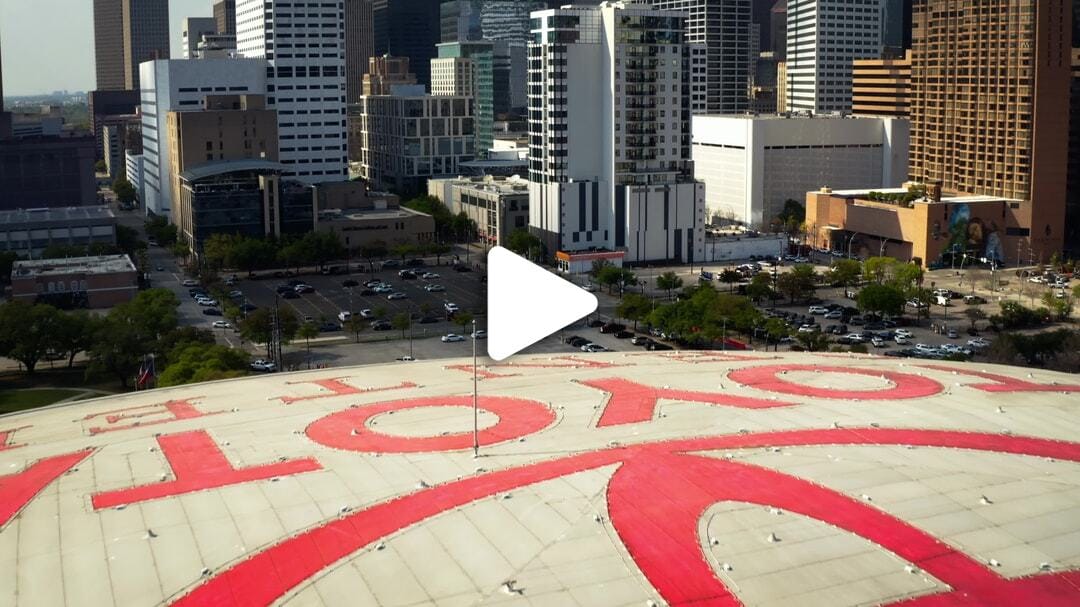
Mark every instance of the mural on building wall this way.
pixel 973 235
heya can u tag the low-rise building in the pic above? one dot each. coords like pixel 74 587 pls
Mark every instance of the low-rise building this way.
pixel 29 232
pixel 77 282
pixel 362 217
pixel 904 223
pixel 752 165
pixel 498 206
pixel 404 139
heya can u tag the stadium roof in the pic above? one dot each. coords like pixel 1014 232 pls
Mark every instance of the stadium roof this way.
pixel 618 479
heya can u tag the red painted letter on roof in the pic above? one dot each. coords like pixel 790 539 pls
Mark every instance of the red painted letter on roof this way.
pixel 6 438
pixel 1002 383
pixel 198 464
pixel 336 387
pixel 173 410
pixel 770 378
pixel 16 490
pixel 632 403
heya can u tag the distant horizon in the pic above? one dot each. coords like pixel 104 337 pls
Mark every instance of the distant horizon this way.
pixel 64 59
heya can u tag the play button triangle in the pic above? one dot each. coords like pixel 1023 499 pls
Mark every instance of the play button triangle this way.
pixel 526 303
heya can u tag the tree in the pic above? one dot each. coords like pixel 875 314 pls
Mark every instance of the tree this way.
pixel 403 250
pixel 380 312
pixel 372 251
pixel 75 332
pixel 28 331
pixel 401 322
pixel 760 288
pixel 813 342
pixel 777 330
pixel 877 269
pixel 355 325
pixel 845 272
pixel 798 284
pixel 258 327
pixel 250 254
pixel 101 167
pixel 609 276
pixel 7 264
pixel 196 363
pixel 974 314
pixel 128 241
pixel 437 249
pixel 463 319
pixel 730 277
pixel 598 266
pixel 524 243
pixel 881 299
pixel 118 349
pixel 1060 307
pixel 669 281
pixel 306 332
pixel 635 308
pixel 159 229
pixel 1015 316
pixel 906 276
pixel 125 192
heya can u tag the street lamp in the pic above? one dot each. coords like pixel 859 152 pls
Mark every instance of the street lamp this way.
pixel 850 242
pixel 476 413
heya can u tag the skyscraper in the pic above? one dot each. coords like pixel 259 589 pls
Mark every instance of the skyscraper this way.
pixel 225 16
pixel 191 32
pixel 610 169
pixel 126 33
pixel 823 38
pixel 723 27
pixel 308 81
pixel 146 36
pixel 359 45
pixel 990 107
pixel 408 29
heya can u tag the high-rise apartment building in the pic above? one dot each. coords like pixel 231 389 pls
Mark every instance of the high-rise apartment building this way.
pixel 610 166
pixel 881 87
pixel 127 33
pixel 778 29
pixel 192 31
pixel 359 45
pixel 1072 200
pixel 481 60
pixel 990 110
pixel 824 37
pixel 408 29
pixel 385 72
pixel 225 16
pixel 305 49
pixel 723 28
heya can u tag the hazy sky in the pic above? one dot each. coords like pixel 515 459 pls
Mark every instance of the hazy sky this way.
pixel 48 45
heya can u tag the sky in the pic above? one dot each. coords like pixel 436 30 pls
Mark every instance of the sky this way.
pixel 48 45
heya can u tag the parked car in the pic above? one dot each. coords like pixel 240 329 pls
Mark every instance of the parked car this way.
pixel 304 288
pixel 264 366
pixel 594 348
pixel 819 310
pixel 452 338
pixel 430 276
pixel 344 316
pixel 590 287
pixel 407 275
pixel 366 313
pixel 290 295
pixel 211 312
pixel 953 334
pixel 208 302
pixel 479 334
pixel 381 325
pixel 834 315
pixel 451 307
pixel 397 295
pixel 640 340
pixel 577 342
pixel 383 289
pixel 371 284
pixel 462 268
pixel 221 324
pixel 391 263
pixel 329 327
pixel 658 347
pixel 624 335
pixel 612 327
pixel 974 300
pixel 190 283
pixel 877 342
pixel 434 288
pixel 901 340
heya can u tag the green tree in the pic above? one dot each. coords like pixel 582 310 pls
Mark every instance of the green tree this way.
pixel 7 264
pixel 777 330
pixel 159 229
pixel 307 331
pixel 463 320
pixel 609 276
pixel 906 277
pixel 881 299
pixel 195 363
pixel 372 251
pixel 217 249
pixel 250 254
pixel 760 288
pixel 598 266
pixel 356 325
pixel 258 327
pixel 974 314
pixel 1016 316
pixel 101 167
pixel 845 272
pixel 75 333
pixel 524 243
pixel 878 269
pixel 401 322
pixel 669 281
pixel 118 350
pixel 125 192
pixel 813 342
pixel 402 250
pixel 797 284
pixel 128 241
pixel 380 312
pixel 27 331
pixel 730 277
pixel 634 308
pixel 1060 307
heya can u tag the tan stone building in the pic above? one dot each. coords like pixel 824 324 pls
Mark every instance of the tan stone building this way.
pixel 91 282
pixel 224 167
pixel 385 72
pixel 990 107
pixel 362 217
pixel 497 205
pixel 881 87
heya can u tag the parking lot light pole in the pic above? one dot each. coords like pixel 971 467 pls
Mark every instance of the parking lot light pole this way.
pixel 476 413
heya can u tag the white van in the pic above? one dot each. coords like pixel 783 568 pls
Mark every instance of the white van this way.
pixel 942 300
pixel 344 316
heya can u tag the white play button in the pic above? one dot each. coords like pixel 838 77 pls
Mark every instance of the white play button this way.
pixel 526 303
